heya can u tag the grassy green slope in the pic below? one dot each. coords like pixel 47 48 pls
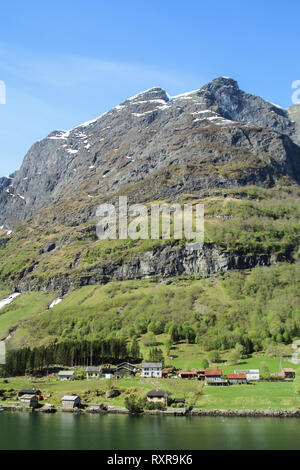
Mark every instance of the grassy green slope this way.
pixel 257 305
pixel 22 308
pixel 248 221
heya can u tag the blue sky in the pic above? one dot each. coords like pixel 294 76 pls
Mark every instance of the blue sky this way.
pixel 65 62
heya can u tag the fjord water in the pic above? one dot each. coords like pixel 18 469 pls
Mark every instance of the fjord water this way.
pixel 63 431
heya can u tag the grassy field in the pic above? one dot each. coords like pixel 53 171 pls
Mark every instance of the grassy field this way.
pixel 262 395
pixel 256 396
pixel 23 308
pixel 223 309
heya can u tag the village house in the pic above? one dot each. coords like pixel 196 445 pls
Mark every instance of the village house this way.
pixel 151 369
pixel 125 369
pixel 165 374
pixel 237 379
pixel 29 401
pixel 71 401
pixel 158 396
pixel 33 392
pixel 188 375
pixel 287 373
pixel 214 377
pixel 66 375
pixel 93 372
pixel 252 375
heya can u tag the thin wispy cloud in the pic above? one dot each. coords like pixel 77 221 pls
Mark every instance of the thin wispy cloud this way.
pixel 71 70
pixel 59 92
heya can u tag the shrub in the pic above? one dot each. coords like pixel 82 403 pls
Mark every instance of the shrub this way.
pixel 134 405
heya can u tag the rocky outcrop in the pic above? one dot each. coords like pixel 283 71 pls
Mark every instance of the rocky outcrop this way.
pixel 294 115
pixel 242 413
pixel 162 263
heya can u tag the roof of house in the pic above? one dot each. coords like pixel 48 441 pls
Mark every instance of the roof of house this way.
pixel 93 369
pixel 28 397
pixel 248 371
pixel 157 394
pixel 108 370
pixel 236 376
pixel 288 370
pixel 29 391
pixel 179 400
pixel 127 364
pixel 70 398
pixel 126 367
pixel 210 372
pixel 66 373
pixel 152 364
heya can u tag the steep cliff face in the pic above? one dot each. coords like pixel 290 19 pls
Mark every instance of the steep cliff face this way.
pixel 294 115
pixel 162 263
pixel 218 136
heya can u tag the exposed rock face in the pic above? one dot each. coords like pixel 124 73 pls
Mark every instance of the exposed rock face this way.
pixel 218 136
pixel 112 393
pixel 294 115
pixel 170 261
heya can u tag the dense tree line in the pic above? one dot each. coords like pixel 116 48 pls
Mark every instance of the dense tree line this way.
pixel 69 353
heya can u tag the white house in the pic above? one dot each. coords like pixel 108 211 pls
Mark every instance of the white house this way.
pixel 152 369
pixel 93 372
pixel 252 375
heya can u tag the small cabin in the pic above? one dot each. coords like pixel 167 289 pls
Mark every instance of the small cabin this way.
pixel 71 401
pixel 237 379
pixel 33 392
pixel 93 372
pixel 165 374
pixel 158 396
pixel 287 373
pixel 66 375
pixel 29 401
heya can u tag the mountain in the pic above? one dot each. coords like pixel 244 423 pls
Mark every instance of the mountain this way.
pixel 294 115
pixel 215 137
pixel 232 151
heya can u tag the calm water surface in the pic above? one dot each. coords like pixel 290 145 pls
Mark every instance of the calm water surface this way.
pixel 122 432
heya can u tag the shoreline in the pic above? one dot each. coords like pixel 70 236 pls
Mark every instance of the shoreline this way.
pixel 180 412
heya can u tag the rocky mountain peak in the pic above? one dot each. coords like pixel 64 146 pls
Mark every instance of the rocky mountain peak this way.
pixel 224 96
pixel 152 94
pixel 294 114
pixel 149 137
